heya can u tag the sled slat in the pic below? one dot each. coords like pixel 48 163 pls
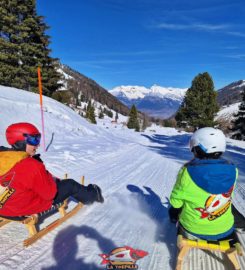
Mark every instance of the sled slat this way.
pixel 185 245
pixel 32 220
pixel 4 222
pixel 52 226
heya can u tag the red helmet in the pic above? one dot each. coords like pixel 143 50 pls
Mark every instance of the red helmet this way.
pixel 15 132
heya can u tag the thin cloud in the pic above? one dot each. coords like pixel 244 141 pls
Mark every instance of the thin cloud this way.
pixel 236 56
pixel 207 27
pixel 130 53
pixel 102 64
pixel 231 47
pixel 222 28
pixel 237 34
pixel 212 27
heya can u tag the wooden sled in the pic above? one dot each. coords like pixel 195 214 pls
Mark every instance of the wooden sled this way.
pixel 31 222
pixel 231 248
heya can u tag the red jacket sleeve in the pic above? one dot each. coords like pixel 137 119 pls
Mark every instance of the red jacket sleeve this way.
pixel 40 180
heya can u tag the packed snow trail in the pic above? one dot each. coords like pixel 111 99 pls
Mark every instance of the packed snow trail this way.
pixel 136 173
pixel 136 181
pixel 133 207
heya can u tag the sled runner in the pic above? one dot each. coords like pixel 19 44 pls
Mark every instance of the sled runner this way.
pixel 231 248
pixel 33 221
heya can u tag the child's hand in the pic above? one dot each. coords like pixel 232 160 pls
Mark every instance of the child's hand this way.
pixel 174 214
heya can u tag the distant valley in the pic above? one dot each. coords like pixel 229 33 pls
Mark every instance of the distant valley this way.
pixel 157 101
pixel 163 102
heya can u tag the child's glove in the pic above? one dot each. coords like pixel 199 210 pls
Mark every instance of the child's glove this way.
pixel 174 214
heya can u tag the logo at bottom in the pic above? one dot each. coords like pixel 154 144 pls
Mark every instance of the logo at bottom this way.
pixel 123 258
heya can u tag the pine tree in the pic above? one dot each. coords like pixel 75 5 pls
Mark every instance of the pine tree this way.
pixel 169 123
pixel 239 121
pixel 110 114
pixel 133 122
pixel 101 115
pixel 90 113
pixel 116 116
pixel 88 109
pixel 24 47
pixel 200 105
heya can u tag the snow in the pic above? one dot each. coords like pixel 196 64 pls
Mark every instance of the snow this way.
pixel 64 80
pixel 135 92
pixel 168 92
pixel 65 75
pixel 136 172
pixel 240 85
pixel 228 112
pixel 131 92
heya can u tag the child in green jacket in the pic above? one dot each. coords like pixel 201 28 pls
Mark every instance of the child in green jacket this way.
pixel 201 197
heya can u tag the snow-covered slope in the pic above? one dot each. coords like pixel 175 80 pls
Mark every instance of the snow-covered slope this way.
pixel 156 101
pixel 231 94
pixel 136 173
pixel 228 112
pixel 225 116
pixel 64 79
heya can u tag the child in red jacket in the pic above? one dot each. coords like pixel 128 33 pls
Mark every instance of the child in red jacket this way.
pixel 26 187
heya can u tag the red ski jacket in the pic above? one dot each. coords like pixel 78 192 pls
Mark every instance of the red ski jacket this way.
pixel 26 187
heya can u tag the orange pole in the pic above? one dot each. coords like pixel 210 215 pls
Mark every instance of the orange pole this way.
pixel 40 86
pixel 41 105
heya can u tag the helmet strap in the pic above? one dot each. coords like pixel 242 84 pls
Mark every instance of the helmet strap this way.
pixel 199 153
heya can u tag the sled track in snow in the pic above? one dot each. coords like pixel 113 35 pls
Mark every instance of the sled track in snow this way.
pixel 241 190
pixel 207 260
pixel 196 259
pixel 96 221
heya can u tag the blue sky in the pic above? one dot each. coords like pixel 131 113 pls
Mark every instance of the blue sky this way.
pixel 146 42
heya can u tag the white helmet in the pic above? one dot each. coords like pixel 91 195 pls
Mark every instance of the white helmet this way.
pixel 209 139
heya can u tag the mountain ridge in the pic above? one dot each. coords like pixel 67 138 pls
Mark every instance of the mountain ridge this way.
pixel 163 102
pixel 231 93
pixel 80 85
pixel 157 101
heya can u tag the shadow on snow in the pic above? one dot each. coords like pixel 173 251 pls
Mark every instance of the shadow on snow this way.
pixel 151 204
pixel 177 147
pixel 65 248
pixel 236 157
pixel 174 146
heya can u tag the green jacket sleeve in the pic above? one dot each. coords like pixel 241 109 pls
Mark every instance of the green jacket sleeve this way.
pixel 178 192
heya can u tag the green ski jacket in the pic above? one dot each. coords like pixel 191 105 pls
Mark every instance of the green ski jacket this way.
pixel 203 189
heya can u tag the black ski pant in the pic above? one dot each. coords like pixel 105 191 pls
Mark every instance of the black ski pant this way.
pixel 70 188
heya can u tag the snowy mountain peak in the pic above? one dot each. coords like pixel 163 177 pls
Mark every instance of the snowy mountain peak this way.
pixel 168 92
pixel 156 101
pixel 130 92
pixel 240 84
pixel 136 92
